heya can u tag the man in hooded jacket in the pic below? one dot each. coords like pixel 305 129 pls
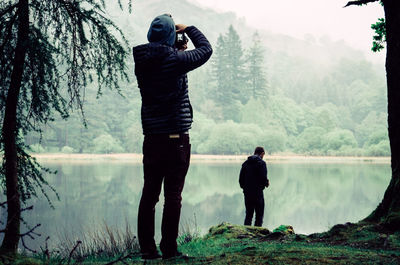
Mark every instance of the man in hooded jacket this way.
pixel 166 114
pixel 253 179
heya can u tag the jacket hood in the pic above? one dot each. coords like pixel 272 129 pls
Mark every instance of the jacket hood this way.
pixel 151 52
pixel 162 30
pixel 254 159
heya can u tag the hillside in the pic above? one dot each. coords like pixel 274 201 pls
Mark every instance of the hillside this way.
pixel 213 23
pixel 313 87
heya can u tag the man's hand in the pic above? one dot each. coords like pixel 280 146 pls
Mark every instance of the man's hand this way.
pixel 180 28
pixel 184 47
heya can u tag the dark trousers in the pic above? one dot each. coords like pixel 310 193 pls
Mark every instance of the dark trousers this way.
pixel 254 203
pixel 164 159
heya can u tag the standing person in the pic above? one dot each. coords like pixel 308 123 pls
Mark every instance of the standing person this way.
pixel 253 179
pixel 166 114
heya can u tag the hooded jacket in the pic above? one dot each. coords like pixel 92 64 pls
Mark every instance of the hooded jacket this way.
pixel 253 176
pixel 161 74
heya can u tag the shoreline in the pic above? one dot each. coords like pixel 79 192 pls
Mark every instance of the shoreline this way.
pixel 198 158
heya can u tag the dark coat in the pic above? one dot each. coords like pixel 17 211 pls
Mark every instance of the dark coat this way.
pixel 161 74
pixel 253 176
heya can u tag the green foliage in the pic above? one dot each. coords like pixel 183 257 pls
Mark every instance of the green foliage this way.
pixel 228 73
pixel 338 139
pixel 227 244
pixel 286 229
pixel 285 112
pixel 255 72
pixel 304 101
pixel 37 148
pixel 67 150
pixel 373 123
pixel 380 149
pixel 70 45
pixel 378 144
pixel 380 35
pixel 105 143
pixel 311 140
pixel 273 139
pixel 134 139
pixel 325 117
pixel 31 175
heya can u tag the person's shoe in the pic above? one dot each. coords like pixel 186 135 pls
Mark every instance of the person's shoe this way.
pixel 175 255
pixel 153 255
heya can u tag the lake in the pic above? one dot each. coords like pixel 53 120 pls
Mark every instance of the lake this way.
pixel 309 196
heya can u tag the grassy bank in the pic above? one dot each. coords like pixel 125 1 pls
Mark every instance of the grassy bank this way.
pixel 235 244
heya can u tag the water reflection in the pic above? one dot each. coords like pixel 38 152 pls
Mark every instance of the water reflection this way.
pixel 310 197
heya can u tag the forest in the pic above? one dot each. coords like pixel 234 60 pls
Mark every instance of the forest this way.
pixel 248 95
pixel 67 86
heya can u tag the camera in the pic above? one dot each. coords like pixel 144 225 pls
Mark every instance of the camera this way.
pixel 181 40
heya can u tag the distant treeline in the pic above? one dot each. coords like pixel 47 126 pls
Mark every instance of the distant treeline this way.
pixel 243 98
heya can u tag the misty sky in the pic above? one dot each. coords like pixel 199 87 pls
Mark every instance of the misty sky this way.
pixel 300 17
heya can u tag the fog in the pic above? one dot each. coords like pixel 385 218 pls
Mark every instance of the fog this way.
pixel 316 90
pixel 298 18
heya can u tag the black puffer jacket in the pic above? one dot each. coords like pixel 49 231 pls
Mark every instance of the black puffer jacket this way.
pixel 161 74
pixel 253 176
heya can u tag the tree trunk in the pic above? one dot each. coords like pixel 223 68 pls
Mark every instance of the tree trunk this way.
pixel 388 211
pixel 9 131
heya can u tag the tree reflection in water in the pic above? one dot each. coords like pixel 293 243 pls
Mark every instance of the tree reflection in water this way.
pixel 310 197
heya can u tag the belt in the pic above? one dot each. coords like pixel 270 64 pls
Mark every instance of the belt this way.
pixel 177 135
pixel 168 135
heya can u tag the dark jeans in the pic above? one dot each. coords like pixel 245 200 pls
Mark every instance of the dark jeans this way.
pixel 164 159
pixel 254 202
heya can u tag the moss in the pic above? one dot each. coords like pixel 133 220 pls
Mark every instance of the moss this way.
pixel 285 229
pixel 362 243
pixel 228 230
pixel 19 260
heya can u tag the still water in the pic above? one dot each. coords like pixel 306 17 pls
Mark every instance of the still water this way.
pixel 309 196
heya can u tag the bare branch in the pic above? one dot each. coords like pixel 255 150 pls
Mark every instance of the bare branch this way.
pixel 27 209
pixel 30 232
pixel 73 250
pixel 46 251
pixel 360 2
pixel 26 247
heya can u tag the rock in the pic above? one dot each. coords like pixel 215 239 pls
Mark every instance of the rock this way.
pixel 339 229
pixel 301 238
pixel 237 231
pixel 276 235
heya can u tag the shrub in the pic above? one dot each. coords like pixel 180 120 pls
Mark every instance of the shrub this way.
pixel 105 143
pixel 67 150
pixel 37 148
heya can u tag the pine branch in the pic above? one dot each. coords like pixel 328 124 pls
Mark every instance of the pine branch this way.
pixel 10 25
pixel 360 2
pixel 8 9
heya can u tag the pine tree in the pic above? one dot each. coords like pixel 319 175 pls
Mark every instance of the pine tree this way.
pixel 256 76
pixel 228 72
pixel 49 51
